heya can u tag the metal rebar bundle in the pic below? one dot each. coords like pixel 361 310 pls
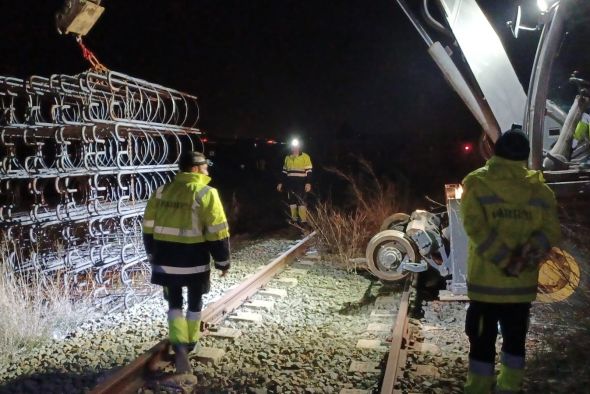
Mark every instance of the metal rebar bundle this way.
pixel 79 157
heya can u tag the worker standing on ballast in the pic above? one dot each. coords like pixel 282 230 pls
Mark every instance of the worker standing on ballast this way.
pixel 184 225
pixel 296 181
pixel 510 217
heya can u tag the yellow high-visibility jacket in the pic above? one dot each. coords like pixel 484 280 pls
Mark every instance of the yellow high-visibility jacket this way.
pixel 503 206
pixel 184 224
pixel 297 169
pixel 582 130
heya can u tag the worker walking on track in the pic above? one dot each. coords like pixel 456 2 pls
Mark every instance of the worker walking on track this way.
pixel 184 224
pixel 510 217
pixel 296 177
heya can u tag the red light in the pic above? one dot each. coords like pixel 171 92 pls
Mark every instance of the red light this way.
pixel 467 148
pixel 204 139
pixel 271 142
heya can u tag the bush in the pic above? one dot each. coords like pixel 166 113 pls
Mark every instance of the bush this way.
pixel 344 231
pixel 35 309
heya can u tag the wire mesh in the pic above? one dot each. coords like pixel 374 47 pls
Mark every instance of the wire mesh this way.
pixel 79 157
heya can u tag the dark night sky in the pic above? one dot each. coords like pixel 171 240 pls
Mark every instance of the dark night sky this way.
pixel 263 67
pixel 258 67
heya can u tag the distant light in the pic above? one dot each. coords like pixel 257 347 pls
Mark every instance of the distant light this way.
pixel 543 6
pixel 204 139
pixel 271 142
pixel 295 143
pixel 467 148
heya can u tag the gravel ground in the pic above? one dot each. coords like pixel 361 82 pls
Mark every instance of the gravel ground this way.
pixel 559 337
pixel 306 343
pixel 445 351
pixel 73 364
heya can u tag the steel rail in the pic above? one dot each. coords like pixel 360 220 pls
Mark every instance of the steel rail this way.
pixel 215 312
pixel 398 349
pixel 130 378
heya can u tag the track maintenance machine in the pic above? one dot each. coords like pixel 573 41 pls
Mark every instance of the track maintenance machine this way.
pixel 465 45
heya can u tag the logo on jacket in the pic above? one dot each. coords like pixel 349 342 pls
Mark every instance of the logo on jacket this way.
pixel 514 214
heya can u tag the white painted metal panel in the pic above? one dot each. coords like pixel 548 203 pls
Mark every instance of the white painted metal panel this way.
pixel 488 61
pixel 458 255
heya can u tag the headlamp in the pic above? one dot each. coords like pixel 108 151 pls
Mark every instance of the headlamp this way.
pixel 207 161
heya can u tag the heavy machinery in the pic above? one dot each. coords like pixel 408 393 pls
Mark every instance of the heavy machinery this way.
pixel 466 47
pixel 422 241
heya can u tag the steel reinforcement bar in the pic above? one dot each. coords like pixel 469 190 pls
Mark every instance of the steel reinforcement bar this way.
pixel 79 157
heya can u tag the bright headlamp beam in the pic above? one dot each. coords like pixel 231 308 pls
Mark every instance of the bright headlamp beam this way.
pixel 295 143
pixel 543 6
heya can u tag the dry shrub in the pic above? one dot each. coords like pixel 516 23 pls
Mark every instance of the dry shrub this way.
pixel 341 234
pixel 35 308
pixel 344 231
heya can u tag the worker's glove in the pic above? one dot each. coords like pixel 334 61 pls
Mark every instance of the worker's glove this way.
pixel 307 187
pixel 280 187
pixel 515 265
pixel 527 257
pixel 224 273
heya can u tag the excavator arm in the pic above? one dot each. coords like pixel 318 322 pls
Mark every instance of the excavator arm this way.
pixel 480 71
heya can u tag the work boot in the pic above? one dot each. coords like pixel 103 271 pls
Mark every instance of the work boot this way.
pixel 417 312
pixel 177 327
pixel 293 211
pixel 511 373
pixel 302 212
pixel 181 361
pixel 194 329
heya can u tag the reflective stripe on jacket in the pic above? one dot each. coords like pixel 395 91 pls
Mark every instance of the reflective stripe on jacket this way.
pixel 503 206
pixel 184 224
pixel 297 167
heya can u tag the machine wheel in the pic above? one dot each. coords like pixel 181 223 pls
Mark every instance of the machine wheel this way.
pixel 385 253
pixel 397 221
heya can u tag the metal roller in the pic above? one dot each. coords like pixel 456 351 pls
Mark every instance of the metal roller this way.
pixel 386 253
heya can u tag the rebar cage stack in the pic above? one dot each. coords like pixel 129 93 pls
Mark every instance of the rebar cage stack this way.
pixel 79 157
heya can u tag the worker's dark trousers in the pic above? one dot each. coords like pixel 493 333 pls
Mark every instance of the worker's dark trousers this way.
pixel 296 195
pixel 174 296
pixel 481 326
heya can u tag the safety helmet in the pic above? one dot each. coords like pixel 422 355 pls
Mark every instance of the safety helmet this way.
pixel 191 159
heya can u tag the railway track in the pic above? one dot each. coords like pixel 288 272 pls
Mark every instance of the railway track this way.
pixel 398 350
pixel 131 377
pixel 149 366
